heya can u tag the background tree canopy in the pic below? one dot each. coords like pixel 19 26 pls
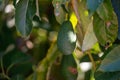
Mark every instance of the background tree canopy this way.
pixel 59 39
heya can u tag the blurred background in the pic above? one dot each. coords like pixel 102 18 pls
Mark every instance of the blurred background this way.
pixel 36 57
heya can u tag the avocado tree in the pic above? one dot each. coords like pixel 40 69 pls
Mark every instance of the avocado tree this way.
pixel 59 39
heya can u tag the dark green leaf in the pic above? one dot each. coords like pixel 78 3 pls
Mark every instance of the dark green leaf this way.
pixel 14 2
pixel 25 10
pixel 23 68
pixel 15 57
pixel 69 67
pixel 87 75
pixel 16 62
pixel 92 5
pixel 111 61
pixel 107 76
pixel 87 59
pixel 66 38
pixel 1 54
pixel 116 6
pixel 1 1
pixel 18 77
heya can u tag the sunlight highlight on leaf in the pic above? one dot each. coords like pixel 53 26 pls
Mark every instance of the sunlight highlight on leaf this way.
pixel 86 13
pixel 73 20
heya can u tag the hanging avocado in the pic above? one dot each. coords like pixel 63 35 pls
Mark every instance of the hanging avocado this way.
pixel 66 40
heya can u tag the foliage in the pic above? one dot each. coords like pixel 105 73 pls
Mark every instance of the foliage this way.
pixel 59 39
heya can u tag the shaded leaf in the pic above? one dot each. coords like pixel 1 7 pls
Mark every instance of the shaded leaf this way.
pixel 92 5
pixel 107 75
pixel 18 61
pixel 14 2
pixel 66 40
pixel 25 10
pixel 3 4
pixel 23 69
pixel 15 57
pixel 79 34
pixel 83 13
pixel 116 6
pixel 111 61
pixel 18 77
pixel 87 74
pixel 89 38
pixel 69 67
pixel 87 59
pixel 84 21
pixel 1 54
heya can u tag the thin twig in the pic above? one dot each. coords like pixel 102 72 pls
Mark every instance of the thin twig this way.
pixel 3 71
pixel 43 66
pixel 92 60
pixel 77 62
pixel 37 9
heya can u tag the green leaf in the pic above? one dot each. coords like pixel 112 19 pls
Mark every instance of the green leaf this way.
pixel 107 75
pixel 84 17
pixel 92 5
pixel 84 20
pixel 89 38
pixel 112 61
pixel 66 40
pixel 25 10
pixel 87 59
pixel 59 12
pixel 69 67
pixel 16 62
pixel 105 11
pixel 105 22
pixel 105 31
